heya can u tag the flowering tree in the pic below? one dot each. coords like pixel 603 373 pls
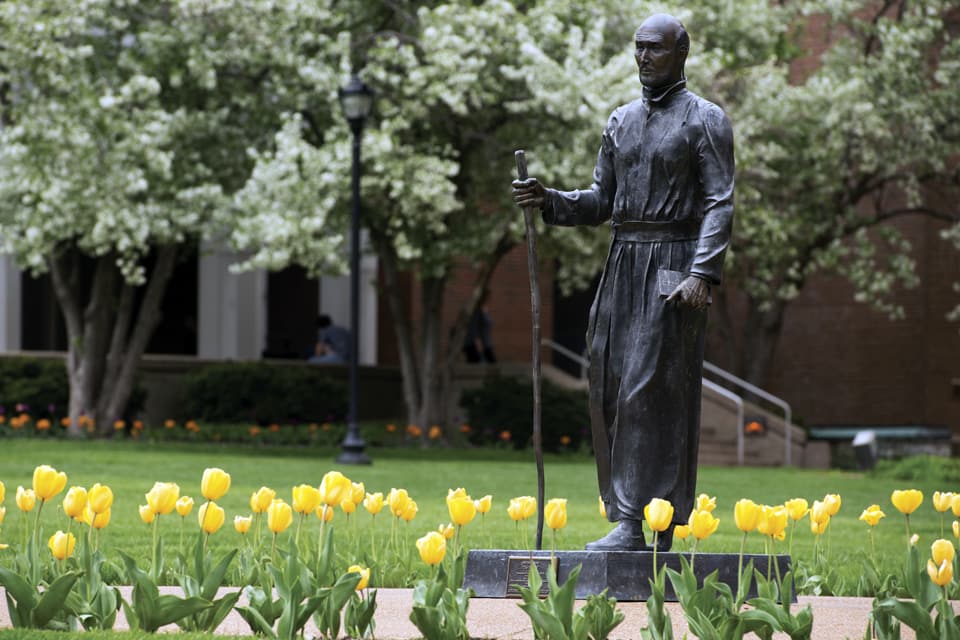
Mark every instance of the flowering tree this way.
pixel 126 127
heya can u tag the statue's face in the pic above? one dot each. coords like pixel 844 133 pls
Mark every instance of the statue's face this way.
pixel 658 60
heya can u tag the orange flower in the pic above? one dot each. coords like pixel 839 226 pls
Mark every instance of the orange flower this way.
pixel 274 427
pixel 119 425
pixel 254 431
pixel 391 428
pixel 505 436
pixel 169 424
pixel 43 424
pixel 64 422
pixel 565 440
pixel 435 432
pixel 465 428
pixel 414 431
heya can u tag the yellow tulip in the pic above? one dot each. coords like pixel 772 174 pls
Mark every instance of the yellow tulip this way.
pixel 74 502
pixel 48 482
pixel 26 499
pixel 955 504
pixel 348 506
pixel 3 491
pixel 162 498
pixel 306 498
pixel 940 575
pixel 942 550
pixel 832 502
pixel 3 513
pixel 555 513
pixel 446 530
pixel 819 512
pixel 872 514
pixel 817 528
pixel 61 544
pixel 459 492
pixel 658 514
pixel 242 524
pixel 702 524
pixel 746 515
pixel 147 514
pixel 681 531
pixel 357 492
pixel 956 529
pixel 907 500
pixel 773 520
pixel 484 504
pixel 914 539
pixel 373 503
pixel 215 483
pixel 462 510
pixel 279 516
pixel 410 511
pixel 261 499
pixel 100 498
pixel 522 507
pixel 184 506
pixel 705 503
pixel 364 574
pixel 398 499
pixel 797 508
pixel 325 513
pixel 334 487
pixel 96 520
pixel 942 501
pixel 602 507
pixel 211 517
pixel 432 548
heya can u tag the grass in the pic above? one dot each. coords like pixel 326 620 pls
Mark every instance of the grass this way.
pixel 131 468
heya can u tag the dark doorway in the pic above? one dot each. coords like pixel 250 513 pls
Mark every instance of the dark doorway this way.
pixel 292 303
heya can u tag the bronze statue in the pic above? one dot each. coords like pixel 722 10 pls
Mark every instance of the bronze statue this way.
pixel 664 180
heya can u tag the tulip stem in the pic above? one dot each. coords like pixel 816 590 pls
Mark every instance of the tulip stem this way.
pixel 743 543
pixel 655 535
pixel 323 524
pixel 273 550
pixel 693 553
pixel 156 536
pixel 296 536
pixel 873 549
pixel 36 525
pixel 182 518
pixel 793 525
pixel 373 533
pixel 907 516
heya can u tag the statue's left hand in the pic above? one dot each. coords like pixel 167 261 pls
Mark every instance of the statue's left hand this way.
pixel 692 292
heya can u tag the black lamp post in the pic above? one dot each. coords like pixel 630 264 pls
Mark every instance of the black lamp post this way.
pixel 356 99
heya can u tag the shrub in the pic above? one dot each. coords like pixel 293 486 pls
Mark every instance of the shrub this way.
pixel 506 404
pixel 260 393
pixel 40 384
pixel 920 469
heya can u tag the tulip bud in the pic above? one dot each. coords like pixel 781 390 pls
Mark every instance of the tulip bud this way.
pixel 26 499
pixel 398 499
pixel 942 550
pixel 746 515
pixel 96 520
pixel 215 483
pixel 357 493
pixel 364 575
pixel 832 502
pixel 819 512
pixel 484 504
pixel 211 517
pixel 446 531
pixel 522 507
pixel 279 516
pixel 940 575
pixel 242 524
pixel 914 539
pixel 942 501
pixel 555 513
pixel 74 502
pixel 702 524
pixel 373 503
pixel 348 506
pixel 773 520
pixel 261 499
pixel 956 529
pixel 100 498
pixel 184 506
pixel 3 491
pixel 48 482
pixel 658 514
pixel 817 528
pixel 147 514
pixel 162 498
pixel 61 544
pixel 705 503
pixel 306 498
pixel 906 501
pixel 681 531
pixel 3 514
pixel 462 510
pixel 432 548
pixel 797 508
pixel 334 487
pixel 410 511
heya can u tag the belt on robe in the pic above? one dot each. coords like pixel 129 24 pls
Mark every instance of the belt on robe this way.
pixel 657 231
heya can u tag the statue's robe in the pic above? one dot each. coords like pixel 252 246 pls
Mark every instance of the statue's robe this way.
pixel 664 180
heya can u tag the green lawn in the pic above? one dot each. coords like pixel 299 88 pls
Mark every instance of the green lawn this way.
pixel 131 468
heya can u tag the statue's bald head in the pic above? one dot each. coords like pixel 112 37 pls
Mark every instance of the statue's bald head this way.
pixel 667 32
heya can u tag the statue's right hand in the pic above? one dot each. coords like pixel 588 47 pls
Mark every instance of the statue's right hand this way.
pixel 529 193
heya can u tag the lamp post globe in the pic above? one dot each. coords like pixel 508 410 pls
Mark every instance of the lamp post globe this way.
pixel 356 100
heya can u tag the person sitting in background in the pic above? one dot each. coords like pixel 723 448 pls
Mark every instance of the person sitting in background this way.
pixel 333 343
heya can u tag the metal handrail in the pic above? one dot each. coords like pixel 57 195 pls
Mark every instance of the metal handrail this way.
pixel 769 397
pixel 730 395
pixel 713 386
pixel 573 355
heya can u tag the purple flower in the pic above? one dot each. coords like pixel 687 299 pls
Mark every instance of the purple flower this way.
pixel 51 408
pixel 21 407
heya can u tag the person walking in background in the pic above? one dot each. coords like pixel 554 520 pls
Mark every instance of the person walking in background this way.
pixel 333 343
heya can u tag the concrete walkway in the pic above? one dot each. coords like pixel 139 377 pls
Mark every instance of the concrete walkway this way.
pixel 834 618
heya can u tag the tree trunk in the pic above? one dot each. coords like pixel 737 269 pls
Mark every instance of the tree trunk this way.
pixel 105 343
pixel 429 411
pixel 761 333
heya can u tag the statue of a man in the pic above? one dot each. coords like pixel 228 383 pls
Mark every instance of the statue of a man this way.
pixel 664 180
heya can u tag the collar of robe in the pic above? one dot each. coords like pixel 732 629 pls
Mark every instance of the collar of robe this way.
pixel 658 97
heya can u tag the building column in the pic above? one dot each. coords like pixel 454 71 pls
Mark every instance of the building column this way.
pixel 10 300
pixel 232 308
pixel 335 302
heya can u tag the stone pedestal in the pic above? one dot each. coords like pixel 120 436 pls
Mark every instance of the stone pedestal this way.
pixel 625 574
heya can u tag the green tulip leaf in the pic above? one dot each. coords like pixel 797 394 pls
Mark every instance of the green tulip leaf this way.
pixel 23 593
pixel 51 602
